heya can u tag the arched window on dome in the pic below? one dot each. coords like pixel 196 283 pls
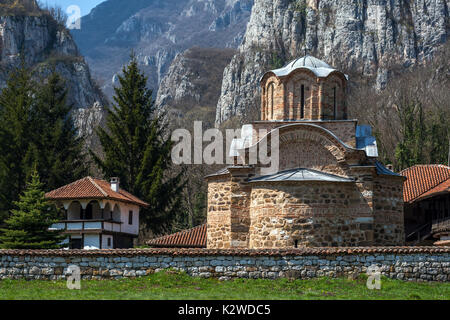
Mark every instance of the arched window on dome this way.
pixel 302 106
pixel 270 94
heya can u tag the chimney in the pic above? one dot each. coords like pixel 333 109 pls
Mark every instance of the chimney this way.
pixel 115 184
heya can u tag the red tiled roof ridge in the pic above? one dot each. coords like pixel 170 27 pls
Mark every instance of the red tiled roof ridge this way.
pixel 436 189
pixel 189 238
pixel 65 186
pixel 423 178
pixel 321 251
pixel 427 165
pixel 97 186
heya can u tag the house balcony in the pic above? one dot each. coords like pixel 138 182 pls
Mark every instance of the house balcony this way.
pixel 440 225
pixel 88 226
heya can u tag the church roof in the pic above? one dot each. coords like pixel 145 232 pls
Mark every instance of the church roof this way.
pixel 301 174
pixel 91 188
pixel 320 68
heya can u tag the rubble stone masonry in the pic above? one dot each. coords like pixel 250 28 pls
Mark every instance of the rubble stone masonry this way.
pixel 309 214
pixel 405 263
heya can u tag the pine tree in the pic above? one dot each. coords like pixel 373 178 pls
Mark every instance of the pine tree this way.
pixel 28 226
pixel 61 158
pixel 36 128
pixel 138 150
pixel 17 127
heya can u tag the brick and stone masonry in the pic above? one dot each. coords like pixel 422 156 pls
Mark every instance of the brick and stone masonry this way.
pixel 405 263
pixel 349 199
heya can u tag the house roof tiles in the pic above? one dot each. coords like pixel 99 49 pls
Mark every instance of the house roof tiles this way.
pixel 424 181
pixel 91 188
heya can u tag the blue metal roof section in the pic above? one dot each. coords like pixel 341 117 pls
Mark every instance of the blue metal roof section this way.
pixel 365 140
pixel 301 174
pixel 381 169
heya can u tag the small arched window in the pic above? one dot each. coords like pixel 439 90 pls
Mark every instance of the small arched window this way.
pixel 302 107
pixel 270 94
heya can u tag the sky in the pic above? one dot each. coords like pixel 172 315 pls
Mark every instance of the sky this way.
pixel 85 5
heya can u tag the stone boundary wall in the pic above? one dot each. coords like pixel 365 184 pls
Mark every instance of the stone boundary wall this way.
pixel 405 263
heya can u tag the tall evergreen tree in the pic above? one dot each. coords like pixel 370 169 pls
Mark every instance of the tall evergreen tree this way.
pixel 36 128
pixel 17 114
pixel 60 155
pixel 28 226
pixel 137 149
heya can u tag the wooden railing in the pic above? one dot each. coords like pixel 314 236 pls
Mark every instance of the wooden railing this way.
pixel 440 225
pixel 88 225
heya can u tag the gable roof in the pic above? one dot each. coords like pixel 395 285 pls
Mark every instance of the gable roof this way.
pixel 424 181
pixel 91 188
pixel 191 238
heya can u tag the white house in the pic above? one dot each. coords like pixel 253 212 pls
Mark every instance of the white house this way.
pixel 98 214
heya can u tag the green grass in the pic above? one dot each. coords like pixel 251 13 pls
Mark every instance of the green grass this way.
pixel 172 285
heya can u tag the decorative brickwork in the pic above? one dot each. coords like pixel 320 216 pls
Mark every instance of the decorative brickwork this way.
pixel 344 130
pixel 303 96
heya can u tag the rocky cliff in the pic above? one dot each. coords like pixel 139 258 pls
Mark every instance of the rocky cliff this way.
pixel 157 31
pixel 366 37
pixel 48 46
pixel 192 83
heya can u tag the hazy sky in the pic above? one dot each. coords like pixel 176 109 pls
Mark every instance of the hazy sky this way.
pixel 85 5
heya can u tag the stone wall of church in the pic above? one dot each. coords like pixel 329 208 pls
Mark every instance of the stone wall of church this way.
pixel 219 213
pixel 309 214
pixel 388 211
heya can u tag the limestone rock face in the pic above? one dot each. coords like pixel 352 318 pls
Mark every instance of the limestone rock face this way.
pixel 367 37
pixel 48 47
pixel 194 79
pixel 157 31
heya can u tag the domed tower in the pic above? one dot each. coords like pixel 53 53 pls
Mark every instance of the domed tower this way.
pixel 305 89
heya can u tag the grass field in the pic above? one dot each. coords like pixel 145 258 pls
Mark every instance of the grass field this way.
pixel 179 286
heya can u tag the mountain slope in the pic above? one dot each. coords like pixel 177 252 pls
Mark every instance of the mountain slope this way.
pixel 191 87
pixel 370 38
pixel 156 31
pixel 48 46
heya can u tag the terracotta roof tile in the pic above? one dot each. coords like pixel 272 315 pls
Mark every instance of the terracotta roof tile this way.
pixel 440 188
pixel 91 188
pixel 193 252
pixel 424 180
pixel 192 238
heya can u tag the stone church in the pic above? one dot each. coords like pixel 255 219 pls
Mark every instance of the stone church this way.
pixel 329 190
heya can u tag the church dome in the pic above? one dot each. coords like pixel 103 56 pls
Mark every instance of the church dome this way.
pixel 320 68
pixel 310 62
pixel 305 89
